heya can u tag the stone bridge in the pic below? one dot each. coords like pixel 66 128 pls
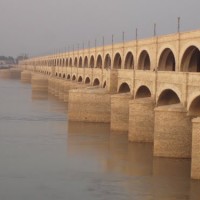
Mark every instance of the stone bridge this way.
pixel 153 86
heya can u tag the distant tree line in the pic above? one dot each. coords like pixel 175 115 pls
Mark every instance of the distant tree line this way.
pixel 10 60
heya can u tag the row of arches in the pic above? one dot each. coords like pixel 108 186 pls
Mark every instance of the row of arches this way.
pixel 190 61
pixel 166 97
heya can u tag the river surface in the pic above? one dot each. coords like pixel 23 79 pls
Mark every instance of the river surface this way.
pixel 45 157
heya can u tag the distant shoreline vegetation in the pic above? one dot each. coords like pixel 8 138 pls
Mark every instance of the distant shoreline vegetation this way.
pixel 8 61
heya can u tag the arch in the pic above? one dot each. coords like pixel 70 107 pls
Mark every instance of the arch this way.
pixel 191 60
pixel 142 92
pixel 85 62
pixel 104 84
pixel 73 78
pixel 144 61
pixel 99 62
pixel 168 97
pixel 63 75
pixel 70 62
pixel 56 74
pixel 107 62
pixel 96 82
pixel 194 108
pixel 129 61
pixel 76 62
pixel 80 79
pixel 60 75
pixel 66 62
pixel 80 62
pixel 92 62
pixel 124 88
pixel 68 76
pixel 87 80
pixel 117 61
pixel 167 60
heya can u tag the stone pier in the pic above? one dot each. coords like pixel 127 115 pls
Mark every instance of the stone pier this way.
pixel 26 76
pixel 195 167
pixel 141 120
pixel 89 105
pixel 172 132
pixel 120 112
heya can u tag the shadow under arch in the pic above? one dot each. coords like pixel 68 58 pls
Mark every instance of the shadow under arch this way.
pixel 92 62
pixel 194 108
pixel 191 60
pixel 129 61
pixel 124 88
pixel 167 61
pixel 68 76
pixel 168 97
pixel 96 82
pixel 117 61
pixel 142 92
pixel 80 79
pixel 73 78
pixel 99 62
pixel 85 62
pixel 104 84
pixel 87 80
pixel 144 61
pixel 107 62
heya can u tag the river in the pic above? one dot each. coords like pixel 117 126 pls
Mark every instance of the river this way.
pixel 45 157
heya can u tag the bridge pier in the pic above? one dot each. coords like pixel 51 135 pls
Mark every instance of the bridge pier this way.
pixel 26 76
pixel 172 132
pixel 141 120
pixel 120 111
pixel 195 167
pixel 89 105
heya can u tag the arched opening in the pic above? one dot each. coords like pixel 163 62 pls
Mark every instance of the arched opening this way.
pixel 80 79
pixel 86 61
pixel 99 62
pixel 76 62
pixel 66 62
pixel 87 80
pixel 168 97
pixel 124 88
pixel 92 62
pixel 63 64
pixel 191 60
pixel 104 84
pixel 167 61
pixel 68 76
pixel 60 75
pixel 73 78
pixel 129 61
pixel 80 62
pixel 96 82
pixel 63 75
pixel 107 62
pixel 56 74
pixel 144 61
pixel 117 61
pixel 70 62
pixel 194 109
pixel 143 92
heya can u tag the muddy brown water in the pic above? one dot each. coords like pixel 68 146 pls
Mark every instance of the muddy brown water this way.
pixel 45 157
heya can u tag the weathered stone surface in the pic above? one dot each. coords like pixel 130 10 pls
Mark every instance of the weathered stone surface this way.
pixel 120 111
pixel 26 76
pixel 89 105
pixel 195 167
pixel 172 132
pixel 141 120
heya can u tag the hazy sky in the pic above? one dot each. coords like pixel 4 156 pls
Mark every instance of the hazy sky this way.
pixel 37 27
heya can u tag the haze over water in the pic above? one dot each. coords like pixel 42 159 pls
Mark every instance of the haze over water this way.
pixel 43 156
